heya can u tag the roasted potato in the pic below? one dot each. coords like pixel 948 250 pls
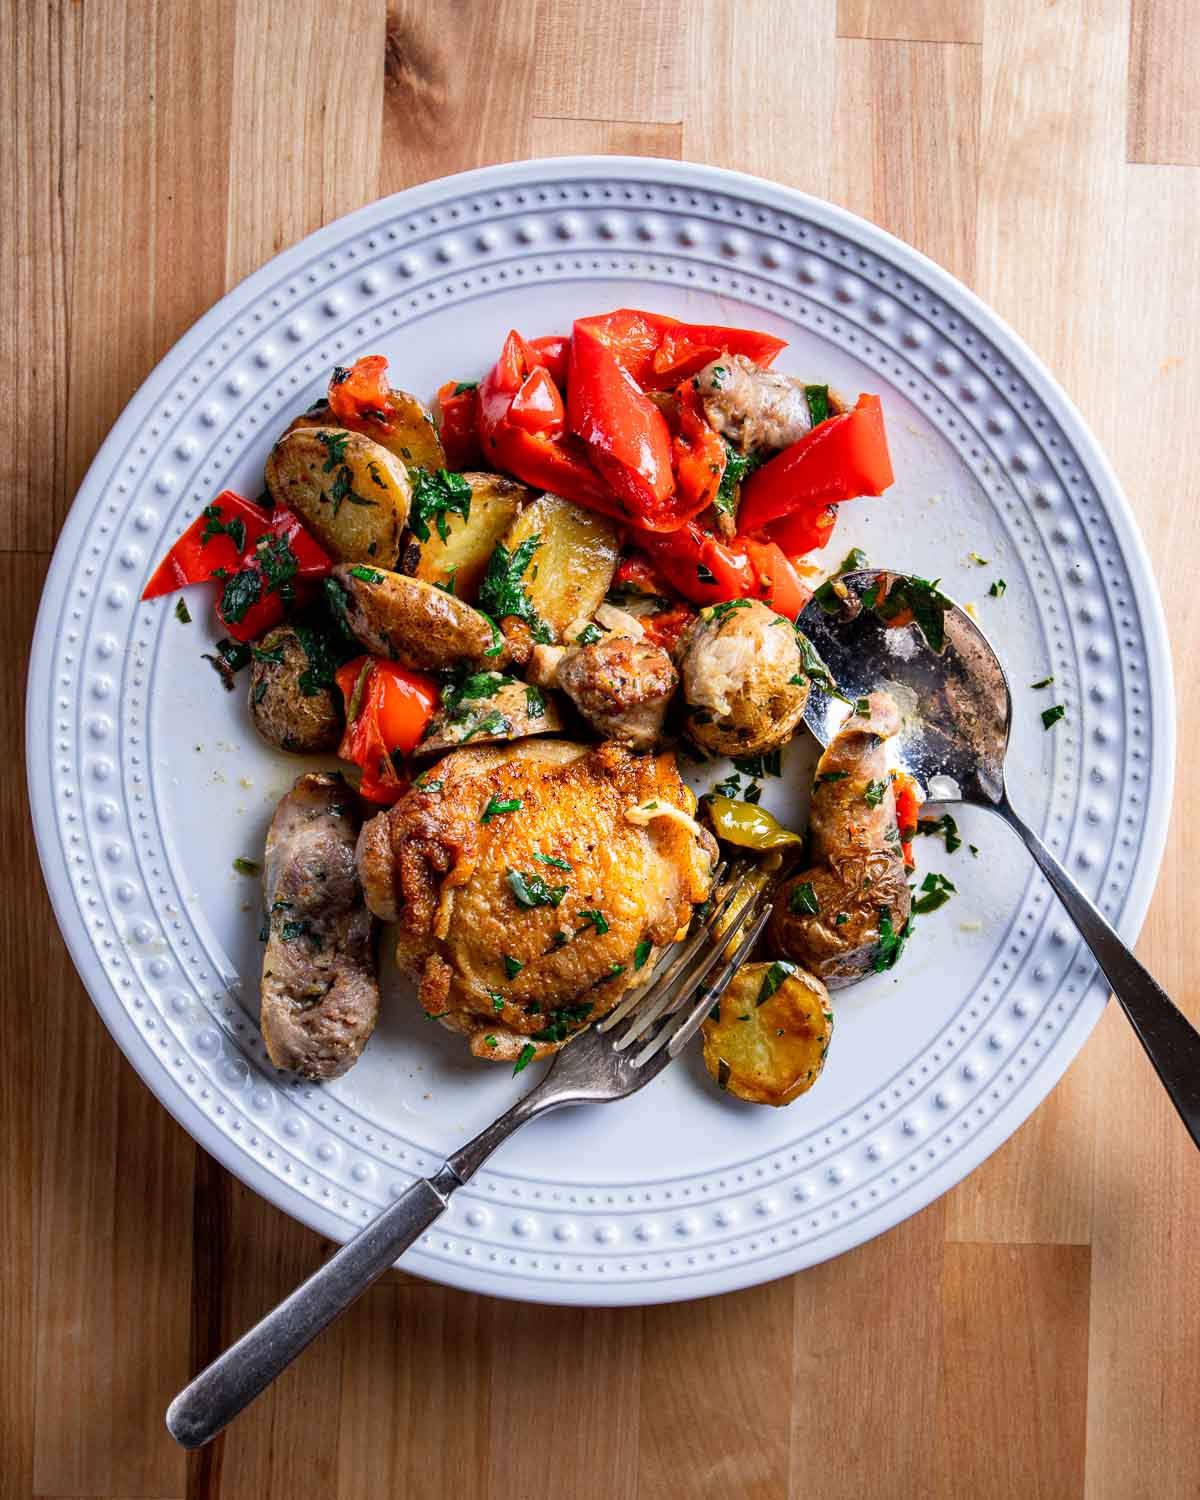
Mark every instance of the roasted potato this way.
pixel 769 1042
pixel 415 623
pixel 743 679
pixel 412 438
pixel 289 704
pixel 350 493
pixel 573 561
pixel 460 559
pixel 492 710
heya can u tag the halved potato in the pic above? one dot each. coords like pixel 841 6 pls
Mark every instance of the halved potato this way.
pixel 572 565
pixel 415 623
pixel 462 558
pixel 769 1044
pixel 413 438
pixel 495 711
pixel 350 493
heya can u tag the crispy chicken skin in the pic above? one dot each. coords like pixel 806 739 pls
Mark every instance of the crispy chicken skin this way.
pixel 505 973
pixel 320 993
pixel 858 871
pixel 758 411
pixel 621 686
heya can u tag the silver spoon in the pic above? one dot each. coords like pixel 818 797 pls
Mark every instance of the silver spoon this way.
pixel 956 709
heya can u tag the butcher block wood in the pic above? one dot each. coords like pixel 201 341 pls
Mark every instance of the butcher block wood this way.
pixel 1036 1333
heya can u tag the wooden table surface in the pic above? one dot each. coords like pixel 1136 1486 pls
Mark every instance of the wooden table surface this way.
pixel 1034 1333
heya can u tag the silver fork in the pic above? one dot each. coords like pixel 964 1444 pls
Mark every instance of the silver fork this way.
pixel 618 1056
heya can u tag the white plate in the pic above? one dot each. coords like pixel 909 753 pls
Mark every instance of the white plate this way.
pixel 147 780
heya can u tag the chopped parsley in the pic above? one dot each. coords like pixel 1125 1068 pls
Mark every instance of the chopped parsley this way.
pixel 640 954
pixel 502 593
pixel 497 999
pixel 273 655
pixel 937 891
pixel 815 669
pixel 804 899
pixel 980 562
pixel 738 467
pixel 841 919
pixel 772 979
pixel 945 826
pixel 769 764
pixel 552 859
pixel 512 966
pixel 323 656
pixel 817 397
pixel 997 589
pixel 854 561
pixel 334 444
pixel 705 575
pixel 290 931
pixel 1051 716
pixel 924 599
pixel 496 806
pixel 491 1041
pixel 491 723
pixel 181 612
pixel 719 611
pixel 461 687
pixel 535 704
pixel 524 1058
pixel 438 494
pixel 278 564
pixel 343 489
pixel 428 786
pixel 828 776
pixel 589 635
pixel 862 707
pixel 531 890
pixel 873 795
pixel 247 866
pixel 831 595
pixel 559 1022
pixel 891 942
pixel 1044 683
pixel 464 386
pixel 240 592
pixel 235 530
pixel 338 601
pixel 597 919
pixel 368 575
pixel 231 657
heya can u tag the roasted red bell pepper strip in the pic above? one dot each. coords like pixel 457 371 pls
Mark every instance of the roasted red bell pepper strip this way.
pixel 270 578
pixel 388 709
pixel 548 463
pixel 659 351
pixel 554 352
pixel 666 626
pixel 626 435
pixel 216 540
pixel 839 459
pixel 459 430
pixel 708 571
pixel 804 531
pixel 362 393
pixel 538 405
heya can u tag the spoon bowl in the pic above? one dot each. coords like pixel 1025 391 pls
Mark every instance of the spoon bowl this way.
pixel 956 710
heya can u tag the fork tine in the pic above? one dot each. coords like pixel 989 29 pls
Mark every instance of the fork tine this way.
pixel 675 954
pixel 675 1034
pixel 651 1003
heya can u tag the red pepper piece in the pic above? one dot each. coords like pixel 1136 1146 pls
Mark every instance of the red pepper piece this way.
pixel 840 459
pixel 804 531
pixel 554 352
pixel 699 455
pixel 388 709
pixel 626 435
pixel 538 406
pixel 215 540
pixel 708 571
pixel 271 577
pixel 459 432
pixel 362 393
pixel 659 351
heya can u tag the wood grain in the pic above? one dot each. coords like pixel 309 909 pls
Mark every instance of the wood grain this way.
pixel 1164 89
pixel 1012 1402
pixel 911 20
pixel 1034 1334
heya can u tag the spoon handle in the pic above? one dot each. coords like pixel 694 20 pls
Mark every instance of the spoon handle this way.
pixel 1172 1043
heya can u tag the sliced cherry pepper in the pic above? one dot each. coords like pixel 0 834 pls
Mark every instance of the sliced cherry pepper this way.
pixel 698 453
pixel 216 540
pixel 362 392
pixel 840 459
pixel 459 432
pixel 388 709
pixel 626 435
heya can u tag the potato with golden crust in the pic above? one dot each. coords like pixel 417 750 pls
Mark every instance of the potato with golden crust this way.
pixel 408 431
pixel 743 679
pixel 846 915
pixel 526 898
pixel 768 1041
pixel 415 623
pixel 349 492
pixel 489 708
pixel 459 559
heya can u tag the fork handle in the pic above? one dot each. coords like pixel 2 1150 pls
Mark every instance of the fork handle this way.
pixel 245 1369
pixel 1170 1040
